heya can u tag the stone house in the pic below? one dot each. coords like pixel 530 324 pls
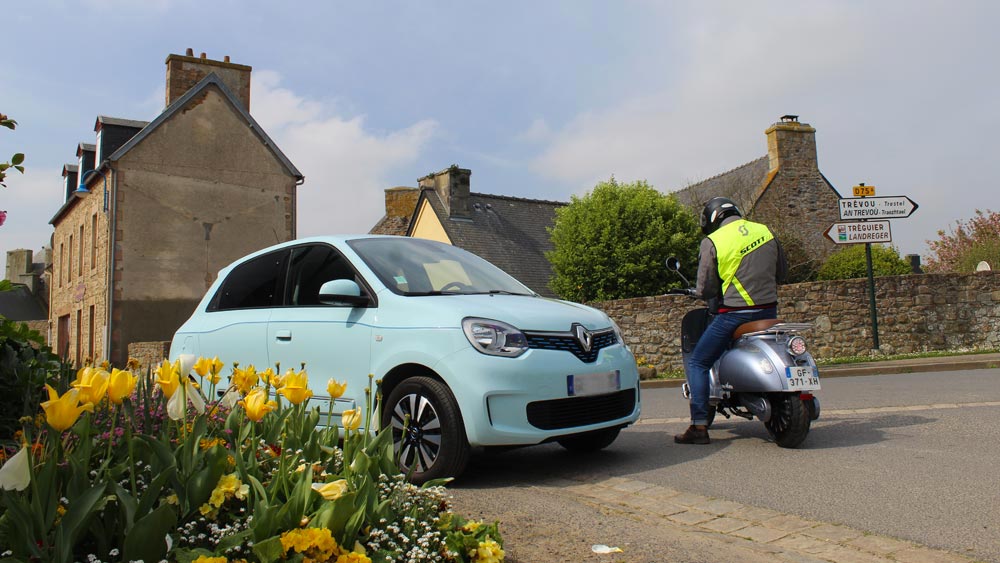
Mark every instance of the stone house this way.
pixel 511 233
pixel 161 207
pixel 784 189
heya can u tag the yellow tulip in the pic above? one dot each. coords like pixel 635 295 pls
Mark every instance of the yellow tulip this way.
pixel 331 491
pixel 92 384
pixel 168 377
pixel 245 379
pixel 272 378
pixel 335 388
pixel 62 412
pixel 351 419
pixel 120 385
pixel 256 405
pixel 202 366
pixel 296 387
pixel 214 368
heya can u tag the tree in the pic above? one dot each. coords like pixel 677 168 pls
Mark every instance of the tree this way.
pixel 851 263
pixel 969 243
pixel 613 242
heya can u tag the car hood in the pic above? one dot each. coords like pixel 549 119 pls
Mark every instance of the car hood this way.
pixel 521 311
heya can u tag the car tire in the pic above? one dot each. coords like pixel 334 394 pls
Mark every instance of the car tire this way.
pixel 590 441
pixel 434 444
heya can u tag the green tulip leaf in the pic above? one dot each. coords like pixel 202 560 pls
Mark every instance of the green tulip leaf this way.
pixel 147 539
pixel 269 550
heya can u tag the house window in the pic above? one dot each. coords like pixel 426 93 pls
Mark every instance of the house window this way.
pixel 69 262
pixel 79 335
pixel 62 341
pixel 90 341
pixel 62 255
pixel 93 241
pixel 79 266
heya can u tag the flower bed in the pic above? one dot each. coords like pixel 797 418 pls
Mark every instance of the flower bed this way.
pixel 127 468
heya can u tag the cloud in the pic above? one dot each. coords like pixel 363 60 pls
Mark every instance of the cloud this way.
pixel 347 166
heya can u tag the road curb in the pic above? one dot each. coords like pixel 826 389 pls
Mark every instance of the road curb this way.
pixel 887 367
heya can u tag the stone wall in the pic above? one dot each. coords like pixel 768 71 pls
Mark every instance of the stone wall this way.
pixel 149 354
pixel 916 313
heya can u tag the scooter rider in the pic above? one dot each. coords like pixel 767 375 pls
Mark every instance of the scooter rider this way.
pixel 740 265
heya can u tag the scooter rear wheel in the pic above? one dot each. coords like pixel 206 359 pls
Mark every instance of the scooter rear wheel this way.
pixel 789 422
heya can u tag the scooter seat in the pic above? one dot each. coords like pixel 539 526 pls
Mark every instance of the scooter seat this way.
pixel 755 326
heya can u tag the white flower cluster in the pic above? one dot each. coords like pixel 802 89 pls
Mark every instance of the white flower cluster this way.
pixel 413 535
pixel 208 533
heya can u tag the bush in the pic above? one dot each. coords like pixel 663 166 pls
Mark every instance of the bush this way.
pixel 613 243
pixel 851 263
pixel 126 468
pixel 25 364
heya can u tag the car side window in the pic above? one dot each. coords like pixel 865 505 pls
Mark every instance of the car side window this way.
pixel 252 284
pixel 311 267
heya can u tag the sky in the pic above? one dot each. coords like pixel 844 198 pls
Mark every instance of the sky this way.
pixel 540 99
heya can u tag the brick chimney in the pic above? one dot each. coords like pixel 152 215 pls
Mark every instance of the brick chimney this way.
pixel 183 72
pixel 452 186
pixel 791 146
pixel 401 201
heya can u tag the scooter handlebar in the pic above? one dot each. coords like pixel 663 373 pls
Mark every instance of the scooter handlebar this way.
pixel 681 291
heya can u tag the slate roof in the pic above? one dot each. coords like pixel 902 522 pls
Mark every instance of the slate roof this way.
pixel 105 119
pixel 19 304
pixel 509 232
pixel 741 184
pixel 391 226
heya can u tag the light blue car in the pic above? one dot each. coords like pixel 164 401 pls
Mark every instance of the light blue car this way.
pixel 474 357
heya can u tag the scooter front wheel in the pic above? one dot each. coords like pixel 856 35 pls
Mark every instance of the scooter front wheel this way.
pixel 789 422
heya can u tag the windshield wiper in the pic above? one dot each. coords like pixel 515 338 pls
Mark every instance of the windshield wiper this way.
pixel 499 292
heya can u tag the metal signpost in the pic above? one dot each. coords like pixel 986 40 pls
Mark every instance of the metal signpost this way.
pixel 868 222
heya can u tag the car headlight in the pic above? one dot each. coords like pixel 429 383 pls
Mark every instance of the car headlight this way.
pixel 495 338
pixel 618 334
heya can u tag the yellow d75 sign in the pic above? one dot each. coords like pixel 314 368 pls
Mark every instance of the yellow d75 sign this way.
pixel 864 191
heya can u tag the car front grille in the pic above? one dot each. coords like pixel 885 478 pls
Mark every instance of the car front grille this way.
pixel 573 412
pixel 568 342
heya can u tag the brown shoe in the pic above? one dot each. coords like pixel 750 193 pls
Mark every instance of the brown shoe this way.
pixel 693 435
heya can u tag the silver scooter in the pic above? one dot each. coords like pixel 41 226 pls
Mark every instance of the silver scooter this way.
pixel 767 373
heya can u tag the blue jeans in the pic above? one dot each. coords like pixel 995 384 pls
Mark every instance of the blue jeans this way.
pixel 710 347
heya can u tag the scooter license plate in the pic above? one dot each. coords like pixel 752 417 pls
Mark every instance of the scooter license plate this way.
pixel 802 378
pixel 593 383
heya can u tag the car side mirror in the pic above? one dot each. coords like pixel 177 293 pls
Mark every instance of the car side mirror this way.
pixel 338 292
pixel 673 264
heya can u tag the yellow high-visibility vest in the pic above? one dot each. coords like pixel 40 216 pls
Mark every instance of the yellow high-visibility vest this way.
pixel 733 242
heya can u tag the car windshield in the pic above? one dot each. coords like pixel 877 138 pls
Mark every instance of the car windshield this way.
pixel 410 266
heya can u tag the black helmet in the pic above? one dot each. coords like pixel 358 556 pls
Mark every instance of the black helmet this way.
pixel 717 209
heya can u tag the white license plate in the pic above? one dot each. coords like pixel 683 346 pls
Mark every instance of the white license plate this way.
pixel 802 378
pixel 593 383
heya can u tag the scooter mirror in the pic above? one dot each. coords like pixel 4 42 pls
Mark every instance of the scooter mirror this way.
pixel 673 264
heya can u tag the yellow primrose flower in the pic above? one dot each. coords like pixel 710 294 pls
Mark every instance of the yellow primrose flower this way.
pixel 245 379
pixel 15 474
pixel 471 526
pixel 351 419
pixel 120 385
pixel 92 384
pixel 296 387
pixel 331 491
pixel 207 559
pixel 61 412
pixel 336 389
pixel 488 551
pixel 256 405
pixel 316 544
pixel 168 377
pixel 353 557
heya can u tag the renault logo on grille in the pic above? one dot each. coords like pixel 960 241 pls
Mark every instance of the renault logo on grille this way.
pixel 584 337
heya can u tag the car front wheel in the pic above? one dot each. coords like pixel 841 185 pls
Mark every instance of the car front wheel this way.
pixel 428 435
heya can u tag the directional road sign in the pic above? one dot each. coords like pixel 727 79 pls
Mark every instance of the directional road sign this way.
pixel 891 207
pixel 859 231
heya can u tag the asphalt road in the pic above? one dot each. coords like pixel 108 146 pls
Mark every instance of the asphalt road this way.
pixel 914 456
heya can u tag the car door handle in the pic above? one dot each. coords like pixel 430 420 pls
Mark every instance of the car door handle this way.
pixel 283 334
